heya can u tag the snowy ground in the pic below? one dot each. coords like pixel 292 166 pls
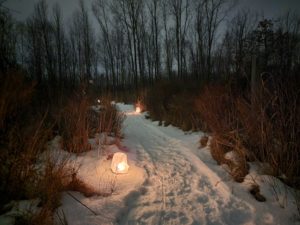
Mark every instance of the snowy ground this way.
pixel 170 181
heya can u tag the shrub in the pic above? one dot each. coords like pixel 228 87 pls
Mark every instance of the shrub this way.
pixel 217 108
pixel 22 137
pixel 74 125
pixel 79 122
pixel 264 125
pixel 78 185
pixel 18 170
pixel 204 141
pixel 272 126
pixel 109 119
pixel 24 132
pixel 15 94
pixel 173 103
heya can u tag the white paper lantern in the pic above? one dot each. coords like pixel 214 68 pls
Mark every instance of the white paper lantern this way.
pixel 119 163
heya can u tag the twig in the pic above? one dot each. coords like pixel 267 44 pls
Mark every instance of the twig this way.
pixel 63 222
pixel 82 203
pixel 163 192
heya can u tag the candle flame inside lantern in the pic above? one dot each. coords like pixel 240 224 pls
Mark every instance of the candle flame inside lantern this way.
pixel 121 166
pixel 137 109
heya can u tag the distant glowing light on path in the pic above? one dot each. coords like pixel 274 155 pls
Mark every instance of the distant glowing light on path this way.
pixel 137 109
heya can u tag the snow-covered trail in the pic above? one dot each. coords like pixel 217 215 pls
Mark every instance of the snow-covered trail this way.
pixel 179 188
pixel 170 181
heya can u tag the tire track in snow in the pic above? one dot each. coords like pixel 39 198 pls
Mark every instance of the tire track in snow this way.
pixel 177 189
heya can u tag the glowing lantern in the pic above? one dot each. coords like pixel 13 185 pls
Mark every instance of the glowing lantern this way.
pixel 99 101
pixel 138 109
pixel 119 163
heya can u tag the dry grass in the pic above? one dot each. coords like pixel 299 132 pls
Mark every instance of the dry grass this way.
pixel 26 125
pixel 217 108
pixel 43 217
pixel 74 125
pixel 22 137
pixel 110 120
pixel 27 181
pixel 46 186
pixel 79 122
pixel 238 167
pixel 19 158
pixel 265 129
pixel 15 94
pixel 238 171
pixel 173 103
pixel 272 127
pixel 204 141
pixel 78 185
pixel 217 151
pixel 51 183
pixel 25 128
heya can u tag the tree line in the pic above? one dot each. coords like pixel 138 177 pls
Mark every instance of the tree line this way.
pixel 136 43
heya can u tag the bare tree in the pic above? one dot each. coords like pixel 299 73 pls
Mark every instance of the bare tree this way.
pixel 198 56
pixel 214 13
pixel 83 43
pixel 286 41
pixel 129 12
pixel 100 9
pixel 153 7
pixel 87 38
pixel 45 30
pixel 59 41
pixel 241 27
pixel 180 11
pixel 167 39
pixel 7 41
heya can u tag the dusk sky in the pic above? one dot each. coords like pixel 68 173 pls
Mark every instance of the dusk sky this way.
pixel 270 8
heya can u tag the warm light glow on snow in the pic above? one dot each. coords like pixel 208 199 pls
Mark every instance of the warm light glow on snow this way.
pixel 121 166
pixel 137 109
